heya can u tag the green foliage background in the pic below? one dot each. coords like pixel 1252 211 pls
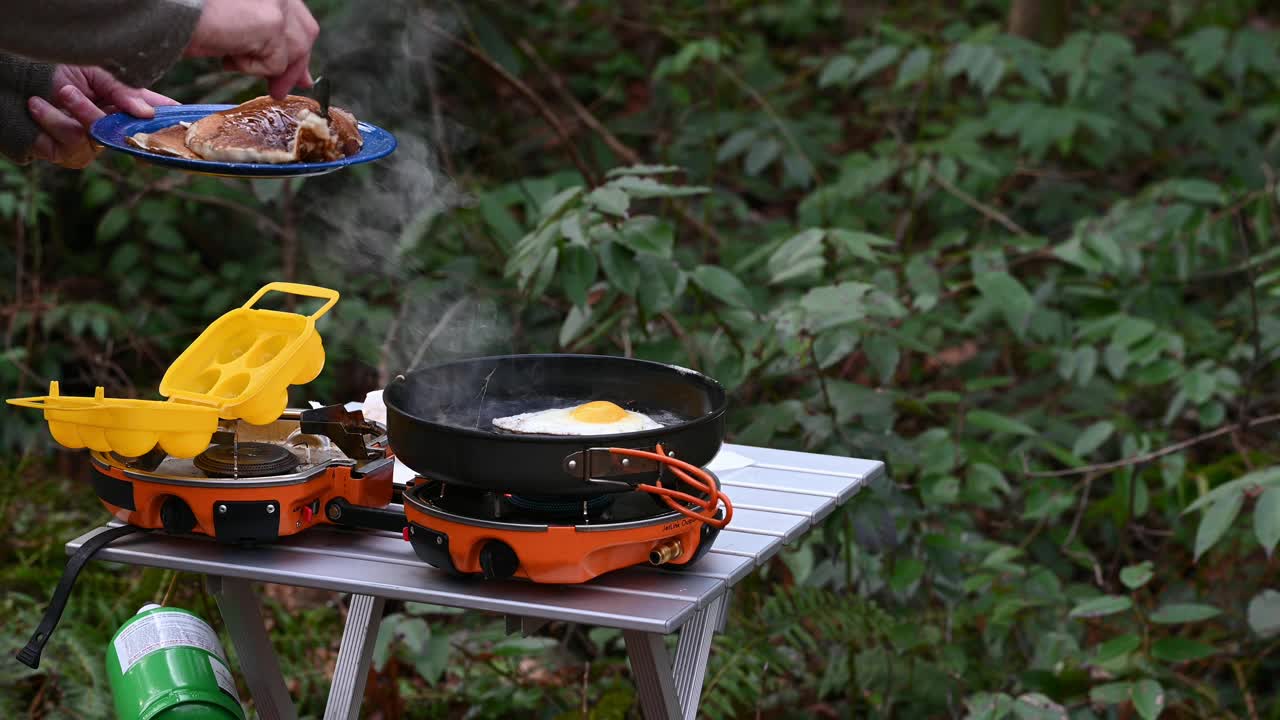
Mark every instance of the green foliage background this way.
pixel 1039 282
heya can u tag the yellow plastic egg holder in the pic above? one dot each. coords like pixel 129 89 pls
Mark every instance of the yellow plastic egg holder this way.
pixel 244 363
pixel 127 427
pixel 240 368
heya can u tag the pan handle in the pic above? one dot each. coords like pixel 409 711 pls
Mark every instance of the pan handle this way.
pixel 691 475
pixel 600 464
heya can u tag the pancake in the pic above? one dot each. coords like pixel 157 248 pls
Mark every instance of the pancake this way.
pixel 262 130
pixel 169 141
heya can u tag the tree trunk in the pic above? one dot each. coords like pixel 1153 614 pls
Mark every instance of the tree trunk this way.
pixel 1043 21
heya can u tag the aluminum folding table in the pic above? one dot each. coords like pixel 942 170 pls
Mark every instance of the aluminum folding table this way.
pixel 777 495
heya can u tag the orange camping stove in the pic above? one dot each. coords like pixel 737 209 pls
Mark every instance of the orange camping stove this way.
pixel 550 539
pixel 257 484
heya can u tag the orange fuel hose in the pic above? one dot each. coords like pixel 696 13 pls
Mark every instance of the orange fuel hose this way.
pixel 691 475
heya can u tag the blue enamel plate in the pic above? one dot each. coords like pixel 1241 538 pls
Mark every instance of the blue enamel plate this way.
pixel 113 131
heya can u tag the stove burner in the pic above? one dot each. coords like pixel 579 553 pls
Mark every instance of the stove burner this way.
pixel 559 507
pixel 248 460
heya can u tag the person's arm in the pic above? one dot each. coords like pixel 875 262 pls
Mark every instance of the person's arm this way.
pixel 134 40
pixel 20 79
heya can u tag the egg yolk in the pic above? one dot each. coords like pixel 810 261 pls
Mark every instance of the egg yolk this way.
pixel 599 412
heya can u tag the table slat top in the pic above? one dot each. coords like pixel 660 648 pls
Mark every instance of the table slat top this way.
pixel 778 496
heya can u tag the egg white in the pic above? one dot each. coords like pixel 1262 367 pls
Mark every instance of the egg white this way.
pixel 561 422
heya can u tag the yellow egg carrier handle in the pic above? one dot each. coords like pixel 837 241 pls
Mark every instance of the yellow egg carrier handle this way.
pixel 315 291
pixel 60 402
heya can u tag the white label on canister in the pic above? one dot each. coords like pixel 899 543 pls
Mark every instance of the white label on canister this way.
pixel 164 630
pixel 223 676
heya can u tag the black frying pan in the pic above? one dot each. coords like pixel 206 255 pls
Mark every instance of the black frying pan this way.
pixel 440 421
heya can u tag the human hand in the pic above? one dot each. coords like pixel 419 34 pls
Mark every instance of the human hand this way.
pixel 267 38
pixel 82 95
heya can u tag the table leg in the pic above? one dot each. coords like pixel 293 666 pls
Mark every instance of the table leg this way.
pixel 242 614
pixel 364 617
pixel 692 653
pixel 651 669
pixel 671 690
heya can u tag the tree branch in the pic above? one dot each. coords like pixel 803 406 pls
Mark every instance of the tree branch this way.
pixel 616 145
pixel 986 210
pixel 1156 454
pixel 566 138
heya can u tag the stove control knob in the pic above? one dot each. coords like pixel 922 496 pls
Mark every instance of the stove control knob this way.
pixel 498 561
pixel 307 513
pixel 176 516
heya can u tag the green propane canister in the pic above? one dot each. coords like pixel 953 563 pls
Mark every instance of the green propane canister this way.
pixel 167 664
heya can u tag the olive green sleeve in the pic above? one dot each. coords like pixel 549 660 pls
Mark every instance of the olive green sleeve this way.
pixel 19 80
pixel 135 40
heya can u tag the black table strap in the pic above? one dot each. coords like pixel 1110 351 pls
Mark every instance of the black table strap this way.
pixel 30 655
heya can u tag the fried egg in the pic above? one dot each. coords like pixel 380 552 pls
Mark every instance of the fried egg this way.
pixel 594 418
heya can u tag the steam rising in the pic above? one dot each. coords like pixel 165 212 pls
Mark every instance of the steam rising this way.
pixel 381 59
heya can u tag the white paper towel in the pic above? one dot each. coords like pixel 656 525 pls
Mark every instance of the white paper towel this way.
pixel 374 409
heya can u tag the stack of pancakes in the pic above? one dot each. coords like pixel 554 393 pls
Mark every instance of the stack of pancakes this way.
pixel 263 130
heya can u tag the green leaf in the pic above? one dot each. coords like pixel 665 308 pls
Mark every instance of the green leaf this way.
pixel 382 643
pixel 1148 699
pixel 1092 438
pixel 997 423
pixel 737 144
pixel 1216 520
pixel 1264 613
pixel 882 353
pixel 906 573
pixel 1117 647
pixel 546 270
pixel 647 234
pixel 1110 693
pixel 610 200
pixel 98 191
pixel 914 67
pixel 723 285
pixel 1196 191
pixel 620 268
pixel 661 285
pixel 575 321
pixel 1175 613
pixel 1129 330
pixel 1179 650
pixel 165 237
pixel 799 256
pixel 1266 519
pixel 761 155
pixel 524 646
pixel 1008 295
pixel 857 243
pixel 555 206
pixel 831 306
pixel 571 229
pixel 434 659
pixel 125 259
pixel 838 71
pixel 1116 358
pixel 1205 48
pixel 647 187
pixel 1264 478
pixel 644 170
pixel 1100 606
pixel 1135 576
pixel 113 223
pixel 1037 706
pixel 879 59
pixel 577 273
